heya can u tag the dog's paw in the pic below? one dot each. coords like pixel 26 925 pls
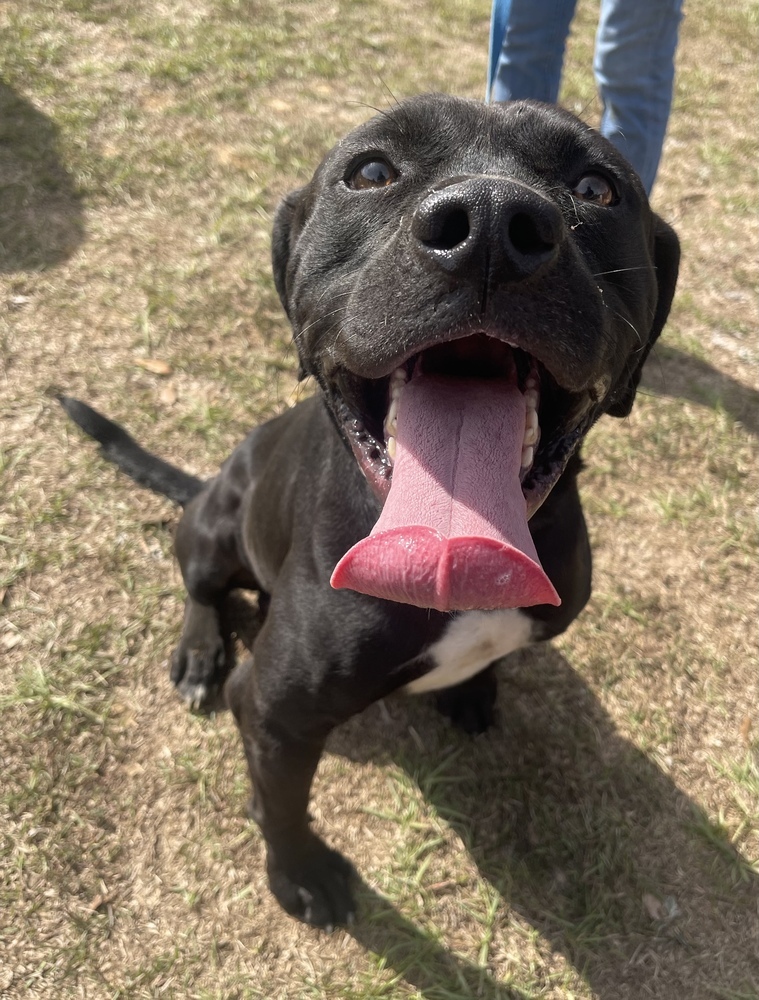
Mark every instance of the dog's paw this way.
pixel 472 717
pixel 470 706
pixel 315 888
pixel 198 670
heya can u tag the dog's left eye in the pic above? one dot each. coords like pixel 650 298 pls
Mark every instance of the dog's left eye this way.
pixel 595 189
pixel 372 174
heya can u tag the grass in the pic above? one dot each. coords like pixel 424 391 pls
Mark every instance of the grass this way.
pixel 143 149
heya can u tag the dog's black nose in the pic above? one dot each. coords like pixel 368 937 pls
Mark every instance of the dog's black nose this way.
pixel 488 222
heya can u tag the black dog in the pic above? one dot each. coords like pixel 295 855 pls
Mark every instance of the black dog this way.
pixel 471 287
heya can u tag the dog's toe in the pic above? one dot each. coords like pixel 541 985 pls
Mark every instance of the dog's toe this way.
pixel 470 706
pixel 473 718
pixel 317 889
pixel 195 695
pixel 198 672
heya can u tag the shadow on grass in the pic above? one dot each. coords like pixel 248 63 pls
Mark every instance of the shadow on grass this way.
pixel 40 211
pixel 670 372
pixel 573 826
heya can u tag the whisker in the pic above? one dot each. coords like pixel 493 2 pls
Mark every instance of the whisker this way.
pixel 370 107
pixel 620 270
pixel 633 328
pixel 310 326
pixel 336 295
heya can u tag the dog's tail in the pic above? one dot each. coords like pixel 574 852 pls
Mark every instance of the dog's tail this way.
pixel 121 449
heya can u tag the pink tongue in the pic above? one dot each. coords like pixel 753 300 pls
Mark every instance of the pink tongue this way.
pixel 453 533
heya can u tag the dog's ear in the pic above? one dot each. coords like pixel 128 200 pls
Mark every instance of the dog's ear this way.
pixel 281 240
pixel 666 262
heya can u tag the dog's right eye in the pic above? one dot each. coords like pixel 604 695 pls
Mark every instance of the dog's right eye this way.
pixel 595 189
pixel 374 173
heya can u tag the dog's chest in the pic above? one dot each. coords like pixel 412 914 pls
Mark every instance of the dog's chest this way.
pixel 470 642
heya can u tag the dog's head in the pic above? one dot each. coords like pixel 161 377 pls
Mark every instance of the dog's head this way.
pixel 506 243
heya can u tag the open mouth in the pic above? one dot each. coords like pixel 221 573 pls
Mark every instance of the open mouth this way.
pixel 555 418
pixel 463 441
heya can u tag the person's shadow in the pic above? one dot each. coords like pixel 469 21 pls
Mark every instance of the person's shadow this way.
pixel 41 221
pixel 581 834
pixel 671 372
pixel 584 837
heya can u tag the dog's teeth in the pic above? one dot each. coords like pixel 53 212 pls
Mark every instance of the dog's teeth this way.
pixel 527 456
pixel 531 397
pixel 391 420
pixel 530 383
pixel 531 428
pixel 397 381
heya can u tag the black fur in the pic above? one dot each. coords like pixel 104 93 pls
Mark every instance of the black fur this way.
pixel 120 448
pixel 483 232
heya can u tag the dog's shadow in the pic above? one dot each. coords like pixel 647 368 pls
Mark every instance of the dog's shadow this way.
pixel 585 838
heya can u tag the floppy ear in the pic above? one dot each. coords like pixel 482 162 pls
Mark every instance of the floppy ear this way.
pixel 282 233
pixel 666 263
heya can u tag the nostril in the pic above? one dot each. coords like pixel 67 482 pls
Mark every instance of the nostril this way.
pixel 525 236
pixel 449 231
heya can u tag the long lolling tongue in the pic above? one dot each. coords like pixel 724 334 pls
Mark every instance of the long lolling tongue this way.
pixel 453 533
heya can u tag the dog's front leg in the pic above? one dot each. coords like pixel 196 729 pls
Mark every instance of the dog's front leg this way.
pixel 206 548
pixel 198 663
pixel 308 879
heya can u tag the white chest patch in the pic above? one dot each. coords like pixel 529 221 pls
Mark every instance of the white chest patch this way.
pixel 472 641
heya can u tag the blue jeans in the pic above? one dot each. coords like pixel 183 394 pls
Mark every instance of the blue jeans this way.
pixel 634 66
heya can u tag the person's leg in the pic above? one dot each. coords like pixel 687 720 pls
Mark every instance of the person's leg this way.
pixel 532 50
pixel 635 68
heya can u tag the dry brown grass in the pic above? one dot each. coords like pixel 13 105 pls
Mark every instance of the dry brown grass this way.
pixel 602 841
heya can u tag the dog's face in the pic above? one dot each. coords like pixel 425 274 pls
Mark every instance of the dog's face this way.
pixel 451 238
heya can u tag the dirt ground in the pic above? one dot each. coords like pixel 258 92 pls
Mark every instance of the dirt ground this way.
pixel 600 841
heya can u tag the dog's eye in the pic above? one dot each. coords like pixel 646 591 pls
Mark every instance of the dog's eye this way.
pixel 595 189
pixel 372 174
